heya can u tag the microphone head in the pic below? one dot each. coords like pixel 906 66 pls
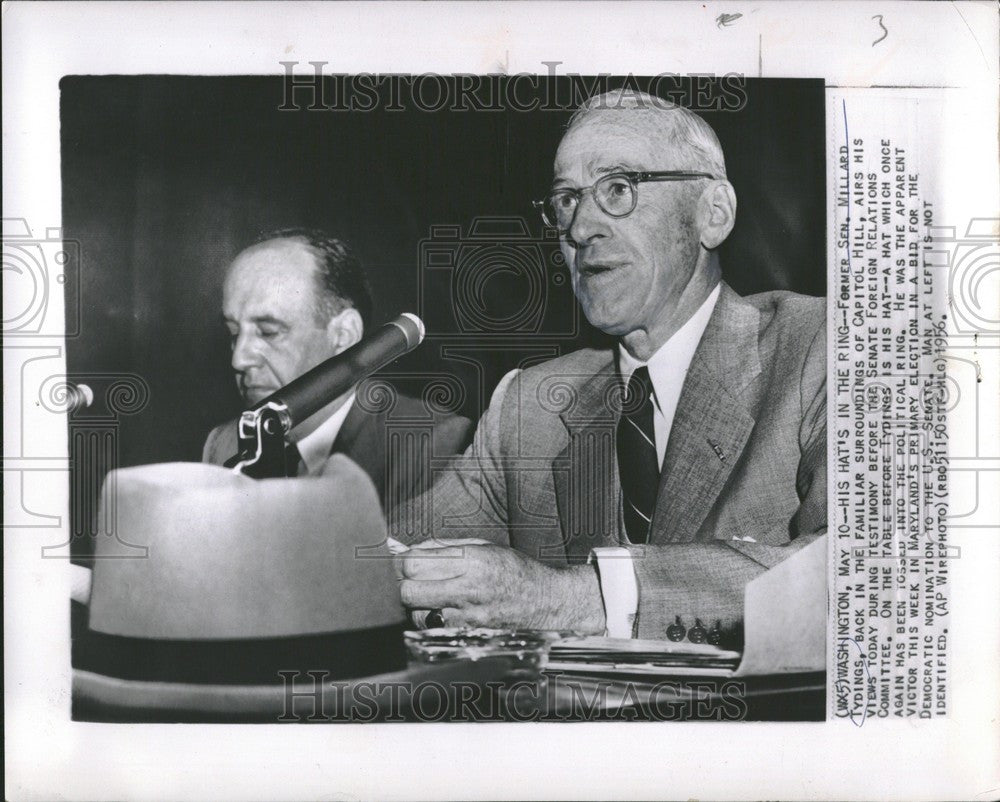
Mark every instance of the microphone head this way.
pixel 412 328
pixel 78 396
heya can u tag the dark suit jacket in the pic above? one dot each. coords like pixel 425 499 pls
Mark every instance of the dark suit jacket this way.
pixel 395 439
pixel 743 483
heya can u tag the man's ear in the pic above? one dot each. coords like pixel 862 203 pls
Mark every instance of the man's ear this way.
pixel 718 213
pixel 345 329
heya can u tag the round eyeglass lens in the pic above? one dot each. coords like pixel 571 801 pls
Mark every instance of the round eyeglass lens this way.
pixel 615 195
pixel 559 209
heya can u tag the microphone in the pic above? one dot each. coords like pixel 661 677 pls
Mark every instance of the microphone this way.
pixel 316 388
pixel 78 396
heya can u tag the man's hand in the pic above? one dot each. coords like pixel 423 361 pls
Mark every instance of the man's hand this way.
pixel 486 585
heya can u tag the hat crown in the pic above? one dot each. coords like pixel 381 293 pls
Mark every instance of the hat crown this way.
pixel 228 557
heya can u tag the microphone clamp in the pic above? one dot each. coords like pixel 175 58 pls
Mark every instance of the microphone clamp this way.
pixel 261 433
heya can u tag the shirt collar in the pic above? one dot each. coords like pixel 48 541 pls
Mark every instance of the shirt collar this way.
pixel 673 358
pixel 315 447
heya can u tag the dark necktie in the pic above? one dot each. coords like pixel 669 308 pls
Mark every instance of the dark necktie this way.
pixel 292 460
pixel 638 467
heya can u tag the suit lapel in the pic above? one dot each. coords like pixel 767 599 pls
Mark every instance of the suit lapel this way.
pixel 361 437
pixel 711 425
pixel 585 472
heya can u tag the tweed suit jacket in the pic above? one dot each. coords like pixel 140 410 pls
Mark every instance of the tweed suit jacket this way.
pixel 743 481
pixel 396 440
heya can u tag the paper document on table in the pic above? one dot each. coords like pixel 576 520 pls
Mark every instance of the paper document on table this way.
pixel 591 655
pixel 785 612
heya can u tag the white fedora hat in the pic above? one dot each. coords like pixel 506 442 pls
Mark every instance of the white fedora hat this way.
pixel 239 581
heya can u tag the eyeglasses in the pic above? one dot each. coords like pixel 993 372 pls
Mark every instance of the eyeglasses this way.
pixel 616 195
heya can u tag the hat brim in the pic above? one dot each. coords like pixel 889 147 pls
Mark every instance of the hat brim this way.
pixel 383 697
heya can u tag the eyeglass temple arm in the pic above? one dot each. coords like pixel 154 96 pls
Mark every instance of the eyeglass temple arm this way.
pixel 665 175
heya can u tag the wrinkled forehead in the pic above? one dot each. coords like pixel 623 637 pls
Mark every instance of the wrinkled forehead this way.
pixel 635 139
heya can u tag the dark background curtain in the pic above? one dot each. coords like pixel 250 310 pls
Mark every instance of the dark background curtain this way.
pixel 166 179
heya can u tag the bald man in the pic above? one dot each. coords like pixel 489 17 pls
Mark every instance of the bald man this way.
pixel 635 491
pixel 290 301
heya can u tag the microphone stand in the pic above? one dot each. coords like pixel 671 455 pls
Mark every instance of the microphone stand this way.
pixel 261 432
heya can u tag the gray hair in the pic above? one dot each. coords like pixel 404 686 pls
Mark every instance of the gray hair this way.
pixel 683 131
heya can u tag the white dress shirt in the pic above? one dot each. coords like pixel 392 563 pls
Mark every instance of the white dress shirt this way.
pixel 668 367
pixel 315 446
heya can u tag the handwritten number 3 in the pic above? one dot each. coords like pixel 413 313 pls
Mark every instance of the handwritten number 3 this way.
pixel 885 31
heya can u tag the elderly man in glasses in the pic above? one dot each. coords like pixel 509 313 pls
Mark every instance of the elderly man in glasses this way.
pixel 635 491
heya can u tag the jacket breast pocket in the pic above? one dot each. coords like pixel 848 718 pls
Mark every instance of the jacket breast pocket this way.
pixel 765 521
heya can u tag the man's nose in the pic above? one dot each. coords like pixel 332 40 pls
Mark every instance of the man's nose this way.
pixel 245 354
pixel 589 222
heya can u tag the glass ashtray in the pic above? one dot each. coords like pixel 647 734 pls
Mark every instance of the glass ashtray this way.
pixel 528 648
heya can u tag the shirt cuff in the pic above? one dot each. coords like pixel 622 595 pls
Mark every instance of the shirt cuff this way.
pixel 619 589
